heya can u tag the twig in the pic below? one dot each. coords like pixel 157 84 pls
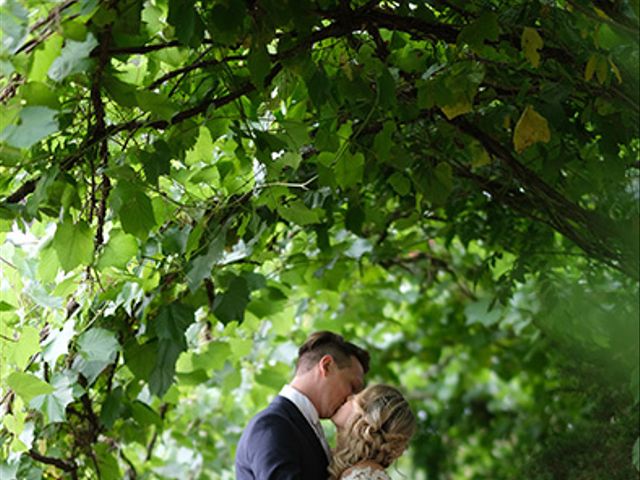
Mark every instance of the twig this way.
pixel 67 466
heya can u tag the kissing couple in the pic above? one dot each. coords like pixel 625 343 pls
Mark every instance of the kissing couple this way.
pixel 286 441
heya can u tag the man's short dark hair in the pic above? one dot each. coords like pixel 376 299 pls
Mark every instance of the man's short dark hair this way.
pixel 324 343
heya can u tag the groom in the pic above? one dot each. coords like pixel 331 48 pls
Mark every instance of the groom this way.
pixel 285 441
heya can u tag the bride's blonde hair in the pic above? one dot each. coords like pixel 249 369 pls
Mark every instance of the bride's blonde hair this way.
pixel 378 430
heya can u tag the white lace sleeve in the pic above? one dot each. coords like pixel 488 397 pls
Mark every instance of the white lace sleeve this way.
pixel 365 473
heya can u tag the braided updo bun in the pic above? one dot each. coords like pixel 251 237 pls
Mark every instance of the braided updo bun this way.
pixel 378 430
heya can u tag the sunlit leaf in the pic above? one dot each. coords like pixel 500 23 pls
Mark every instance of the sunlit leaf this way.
pixel 28 386
pixel 73 243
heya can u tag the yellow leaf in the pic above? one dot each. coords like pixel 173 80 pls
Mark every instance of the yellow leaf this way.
pixel 452 111
pixel 531 42
pixel 591 67
pixel 531 128
pixel 614 69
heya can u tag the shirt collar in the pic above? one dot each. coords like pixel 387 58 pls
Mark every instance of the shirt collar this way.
pixel 303 403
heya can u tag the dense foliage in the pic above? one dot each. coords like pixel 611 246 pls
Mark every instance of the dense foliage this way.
pixel 189 188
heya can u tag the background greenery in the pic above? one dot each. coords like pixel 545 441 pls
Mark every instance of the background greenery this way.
pixel 189 188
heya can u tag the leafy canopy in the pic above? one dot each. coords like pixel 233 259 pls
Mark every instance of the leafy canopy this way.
pixel 188 188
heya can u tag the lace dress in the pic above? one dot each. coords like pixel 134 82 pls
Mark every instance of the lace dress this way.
pixel 365 473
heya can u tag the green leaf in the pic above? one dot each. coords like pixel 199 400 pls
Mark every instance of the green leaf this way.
pixel 28 386
pixel 119 250
pixel 35 124
pixel 156 103
pixel 28 345
pixel 297 212
pixel 172 322
pixel 141 359
pixel 156 163
pixel 44 56
pixel 349 169
pixel 6 307
pixel 484 28
pixel 214 356
pixel 113 407
pixel 400 183
pixel 98 345
pixel 230 305
pixel 53 404
pixel 107 463
pixel 201 266
pixel 274 376
pixel 478 312
pixel 37 93
pixel 186 21
pixel 57 343
pixel 259 65
pixel 170 325
pixel 74 58
pixel 123 93
pixel 162 375
pixel 73 244
pixel 145 415
pixel 636 454
pixel 134 209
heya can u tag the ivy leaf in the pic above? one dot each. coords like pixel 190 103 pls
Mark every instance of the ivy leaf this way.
pixel 36 123
pixel 531 42
pixel 28 386
pixel 531 128
pixel 74 58
pixel 73 244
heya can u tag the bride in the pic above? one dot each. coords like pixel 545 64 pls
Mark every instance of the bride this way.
pixel 373 429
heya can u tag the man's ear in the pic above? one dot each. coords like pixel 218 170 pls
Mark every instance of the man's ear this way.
pixel 325 363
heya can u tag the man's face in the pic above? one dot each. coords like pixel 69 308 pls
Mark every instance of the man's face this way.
pixel 340 383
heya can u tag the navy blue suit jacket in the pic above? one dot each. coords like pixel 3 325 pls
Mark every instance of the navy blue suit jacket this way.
pixel 279 444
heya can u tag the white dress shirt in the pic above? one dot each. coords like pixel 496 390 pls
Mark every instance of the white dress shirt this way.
pixel 309 412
